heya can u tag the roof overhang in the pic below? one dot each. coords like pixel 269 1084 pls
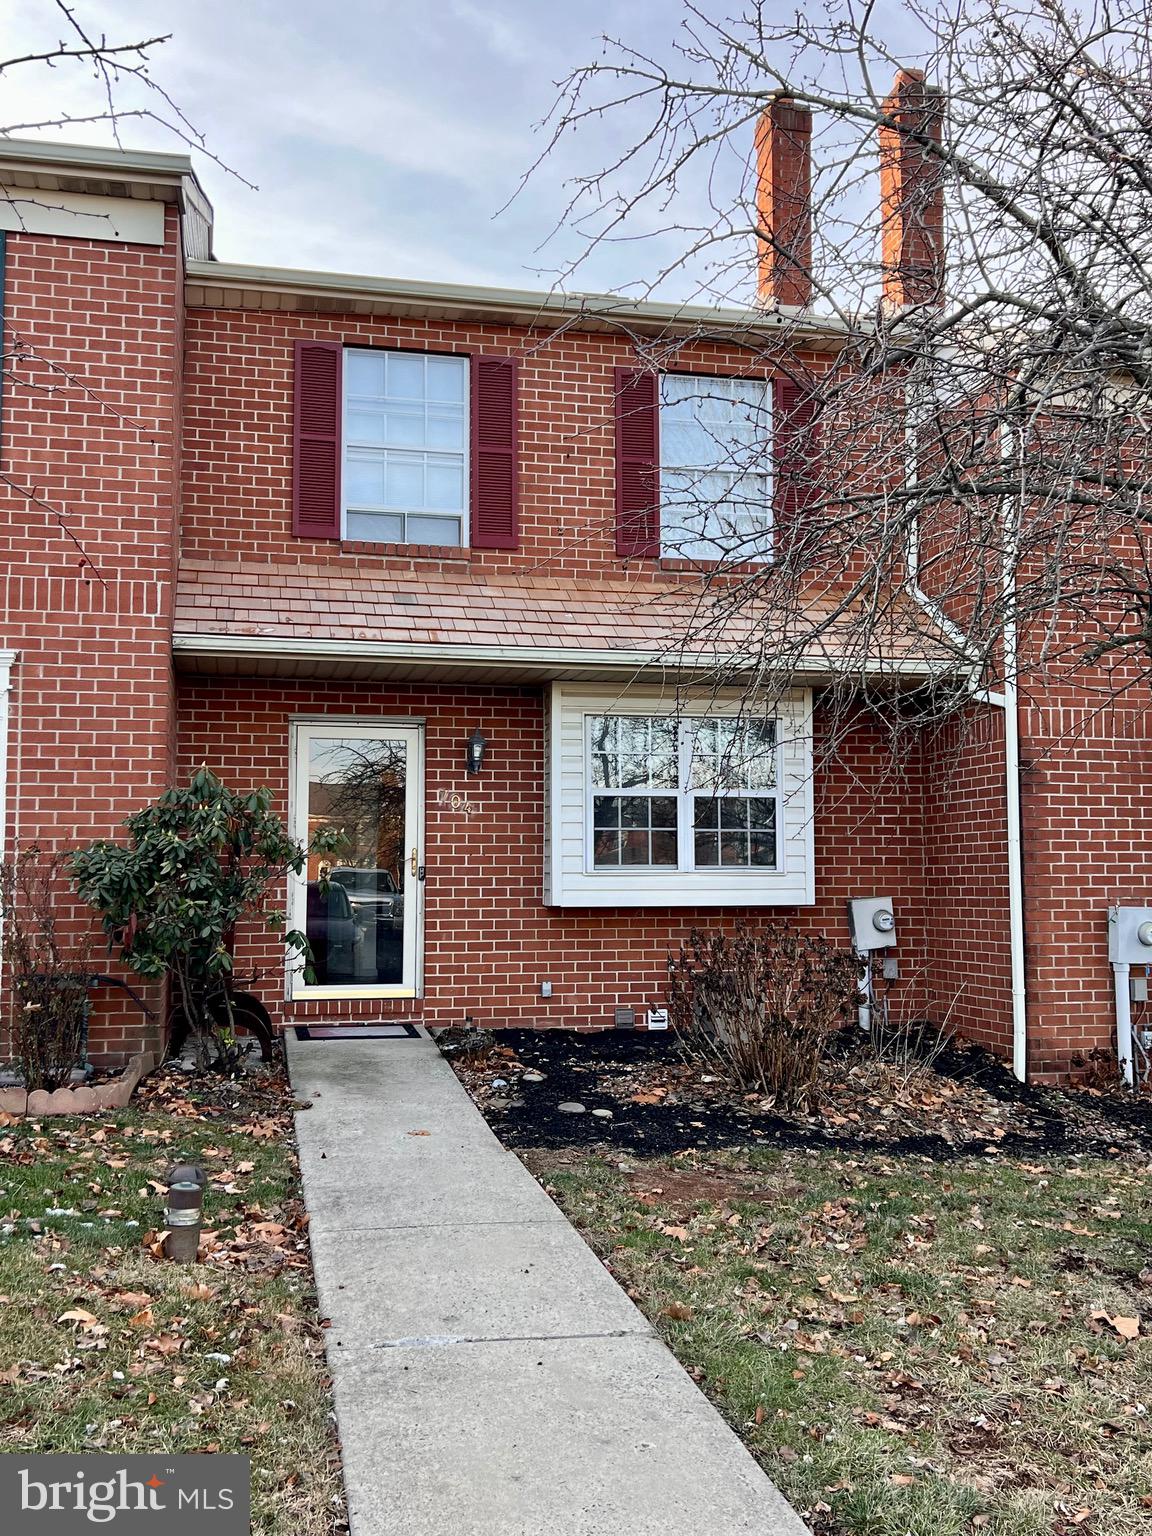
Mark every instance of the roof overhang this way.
pixel 48 166
pixel 232 655
pixel 218 284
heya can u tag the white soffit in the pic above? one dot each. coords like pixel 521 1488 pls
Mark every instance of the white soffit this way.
pixel 78 215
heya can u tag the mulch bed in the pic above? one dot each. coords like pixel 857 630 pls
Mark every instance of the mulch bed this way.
pixel 659 1100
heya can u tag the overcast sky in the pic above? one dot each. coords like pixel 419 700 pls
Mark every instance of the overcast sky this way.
pixel 383 135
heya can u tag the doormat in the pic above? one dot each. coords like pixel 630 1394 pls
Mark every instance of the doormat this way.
pixel 357 1032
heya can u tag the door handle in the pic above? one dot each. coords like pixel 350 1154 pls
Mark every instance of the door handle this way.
pixel 414 862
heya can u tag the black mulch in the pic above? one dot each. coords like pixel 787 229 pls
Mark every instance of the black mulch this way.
pixel 1043 1120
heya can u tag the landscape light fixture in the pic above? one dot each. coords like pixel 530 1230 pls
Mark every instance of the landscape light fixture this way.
pixel 185 1213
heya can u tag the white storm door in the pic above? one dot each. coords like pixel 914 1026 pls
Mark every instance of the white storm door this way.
pixel 359 905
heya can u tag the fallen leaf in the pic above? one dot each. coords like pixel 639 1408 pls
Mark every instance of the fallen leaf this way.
pixel 1126 1327
pixel 78 1315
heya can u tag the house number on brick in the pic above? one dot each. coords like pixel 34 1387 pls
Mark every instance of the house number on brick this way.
pixel 453 800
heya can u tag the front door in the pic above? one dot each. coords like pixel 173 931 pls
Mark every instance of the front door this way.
pixel 359 905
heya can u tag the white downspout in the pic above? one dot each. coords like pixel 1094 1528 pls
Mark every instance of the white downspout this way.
pixel 1008 701
pixel 1121 976
pixel 7 661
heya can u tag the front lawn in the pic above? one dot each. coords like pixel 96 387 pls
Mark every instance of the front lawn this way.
pixel 911 1347
pixel 104 1347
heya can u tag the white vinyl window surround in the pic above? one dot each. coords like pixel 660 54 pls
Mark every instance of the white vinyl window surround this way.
pixel 664 801
pixel 366 924
pixel 681 793
pixel 405 454
pixel 715 468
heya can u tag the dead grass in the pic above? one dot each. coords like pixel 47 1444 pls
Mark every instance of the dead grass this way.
pixel 105 1348
pixel 910 1348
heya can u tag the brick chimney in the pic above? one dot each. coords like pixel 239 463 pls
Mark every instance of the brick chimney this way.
pixel 912 194
pixel 784 204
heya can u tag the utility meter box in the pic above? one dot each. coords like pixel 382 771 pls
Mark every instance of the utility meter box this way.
pixel 872 922
pixel 1130 935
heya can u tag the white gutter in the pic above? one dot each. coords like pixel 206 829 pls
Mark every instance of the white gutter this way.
pixel 1008 701
pixel 212 282
pixel 307 648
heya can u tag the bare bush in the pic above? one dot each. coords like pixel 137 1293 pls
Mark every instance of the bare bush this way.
pixel 47 969
pixel 761 1004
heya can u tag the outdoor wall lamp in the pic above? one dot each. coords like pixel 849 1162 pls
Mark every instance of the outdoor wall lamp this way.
pixel 477 747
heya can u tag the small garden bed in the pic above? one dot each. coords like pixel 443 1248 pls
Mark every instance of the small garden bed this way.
pixel 653 1098
pixel 104 1346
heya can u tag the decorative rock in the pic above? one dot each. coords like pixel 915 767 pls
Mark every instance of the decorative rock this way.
pixel 534 1077
pixel 572 1108
pixel 605 1114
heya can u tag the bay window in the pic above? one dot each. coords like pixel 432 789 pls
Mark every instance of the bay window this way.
pixel 683 802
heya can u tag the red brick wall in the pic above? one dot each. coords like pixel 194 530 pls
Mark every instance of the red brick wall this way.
pixel 89 425
pixel 966 877
pixel 237 463
pixel 1086 847
pixel 489 938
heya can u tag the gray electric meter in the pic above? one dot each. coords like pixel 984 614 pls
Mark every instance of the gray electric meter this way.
pixel 872 922
pixel 1130 935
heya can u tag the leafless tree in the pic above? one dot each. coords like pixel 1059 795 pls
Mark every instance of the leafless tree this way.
pixel 975 463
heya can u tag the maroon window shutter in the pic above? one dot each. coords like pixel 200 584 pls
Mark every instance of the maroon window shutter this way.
pixel 495 453
pixel 316 440
pixel 637 463
pixel 796 456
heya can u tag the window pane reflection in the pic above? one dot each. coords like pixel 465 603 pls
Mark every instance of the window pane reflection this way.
pixel 355 915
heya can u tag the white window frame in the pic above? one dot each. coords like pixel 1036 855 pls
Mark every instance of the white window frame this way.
pixel 571 880
pixel 674 552
pixel 685 798
pixel 301 731
pixel 465 515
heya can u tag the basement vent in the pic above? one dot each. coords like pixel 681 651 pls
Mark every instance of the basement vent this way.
pixel 625 1018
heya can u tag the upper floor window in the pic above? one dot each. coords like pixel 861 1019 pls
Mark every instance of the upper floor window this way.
pixel 715 469
pixel 405 447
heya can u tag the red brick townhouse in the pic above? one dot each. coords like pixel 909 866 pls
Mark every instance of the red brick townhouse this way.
pixel 387 548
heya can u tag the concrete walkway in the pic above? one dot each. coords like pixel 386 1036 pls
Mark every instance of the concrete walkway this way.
pixel 491 1378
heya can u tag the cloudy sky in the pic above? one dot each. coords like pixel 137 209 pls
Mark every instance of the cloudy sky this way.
pixel 383 136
